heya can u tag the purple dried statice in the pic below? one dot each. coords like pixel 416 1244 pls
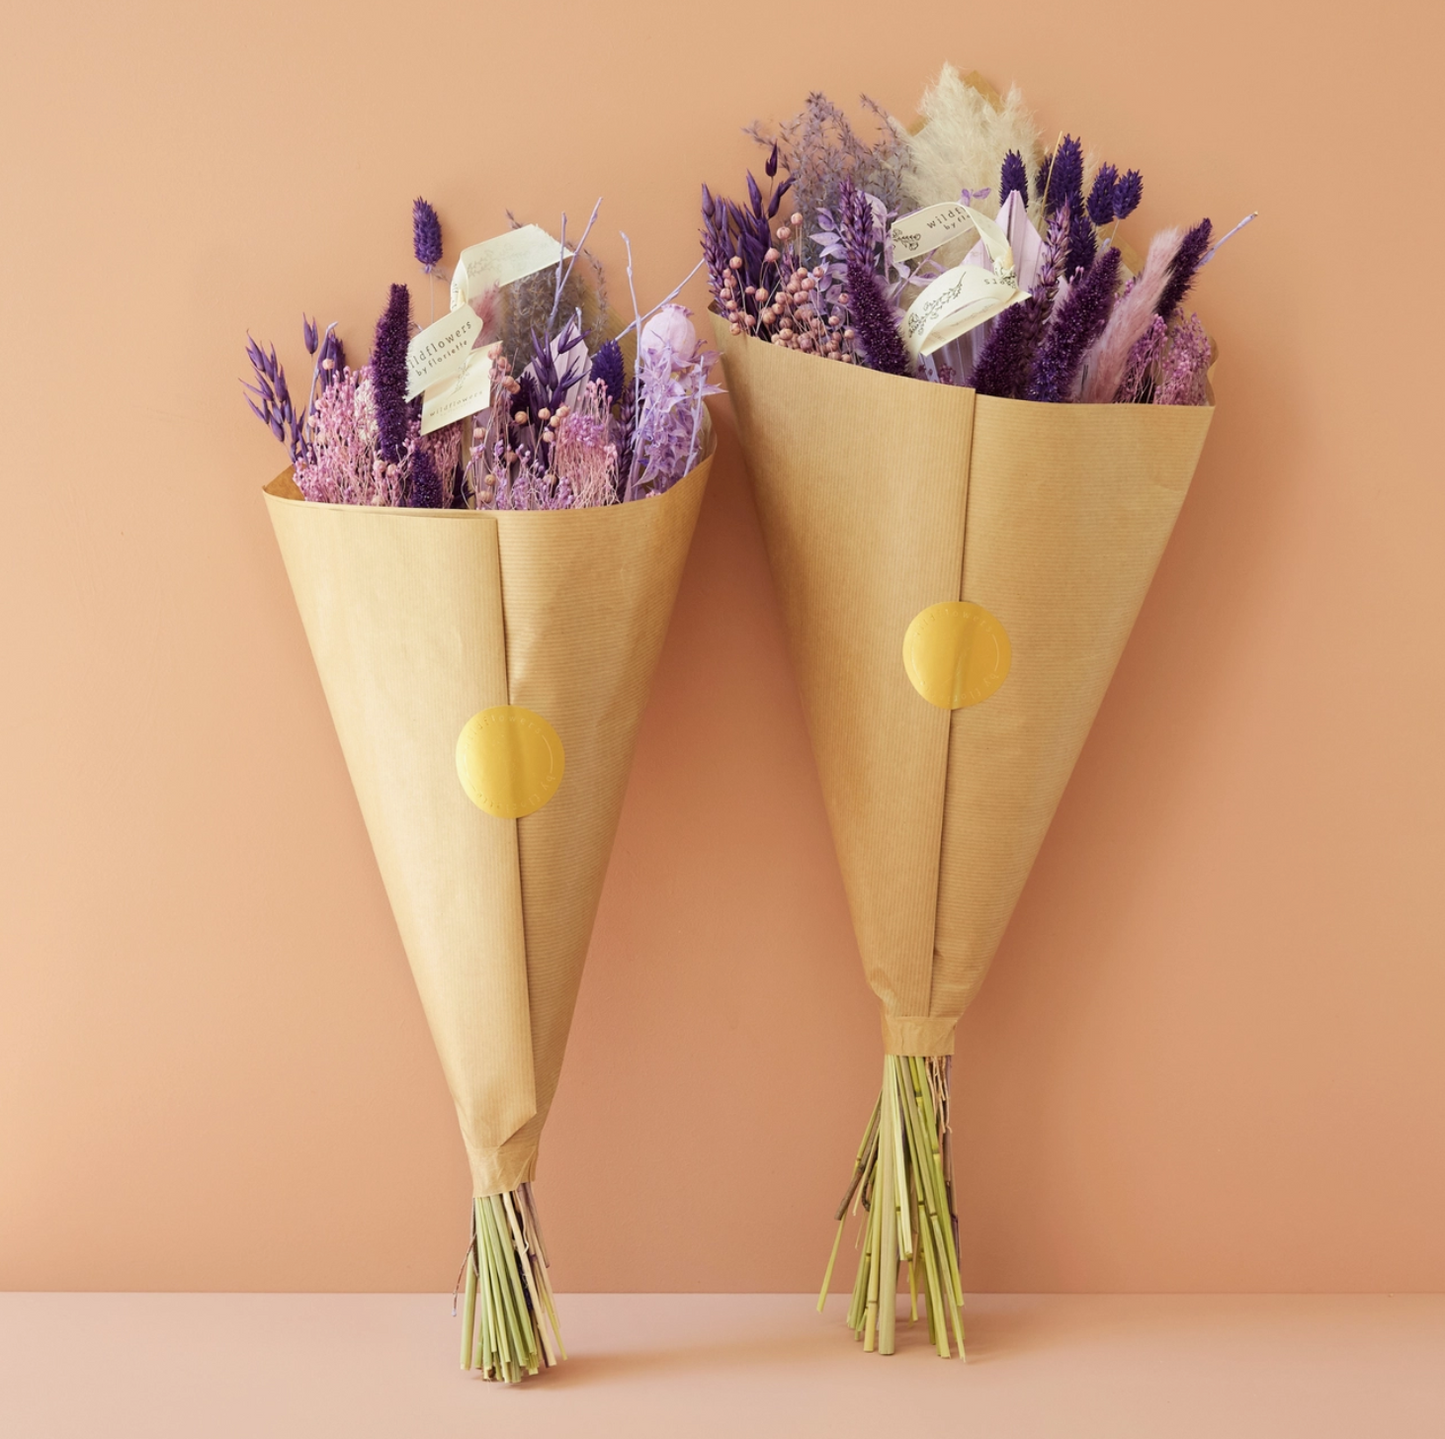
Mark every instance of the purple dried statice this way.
pixel 1101 195
pixel 1014 178
pixel 426 235
pixel 1007 360
pixel 388 373
pixel 1127 194
pixel 1080 321
pixel 1186 264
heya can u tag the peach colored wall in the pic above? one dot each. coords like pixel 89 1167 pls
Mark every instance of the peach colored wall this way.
pixel 1210 1053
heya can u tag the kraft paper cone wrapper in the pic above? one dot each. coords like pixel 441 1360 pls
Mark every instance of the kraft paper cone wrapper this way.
pixel 880 496
pixel 418 620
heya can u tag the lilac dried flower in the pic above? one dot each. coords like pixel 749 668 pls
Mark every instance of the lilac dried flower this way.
pixel 819 148
pixel 672 382
pixel 1101 195
pixel 1186 263
pixel 1007 360
pixel 388 373
pixel 1127 194
pixel 1079 322
pixel 270 398
pixel 1014 178
pixel 1041 176
pixel 346 466
pixel 584 454
pixel 1083 245
pixel 426 235
pixel 310 335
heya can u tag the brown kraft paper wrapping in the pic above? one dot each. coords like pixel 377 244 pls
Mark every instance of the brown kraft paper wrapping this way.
pixel 418 619
pixel 880 496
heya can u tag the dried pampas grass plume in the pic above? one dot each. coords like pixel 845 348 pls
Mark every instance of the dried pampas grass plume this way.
pixel 967 130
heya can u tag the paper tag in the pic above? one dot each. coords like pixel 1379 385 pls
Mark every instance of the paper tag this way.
pixel 455 399
pixel 440 350
pixel 956 654
pixel 509 761
pixel 966 296
pixel 930 227
pixel 503 259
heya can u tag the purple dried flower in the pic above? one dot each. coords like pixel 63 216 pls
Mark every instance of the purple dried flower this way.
pixel 310 335
pixel 1008 358
pixel 426 235
pixel 1083 245
pixel 275 408
pixel 1041 178
pixel 1186 264
pixel 1101 195
pixel 875 321
pixel 1066 177
pixel 1014 178
pixel 388 374
pixel 426 484
pixel 770 168
pixel 1127 194
pixel 607 368
pixel 1138 382
pixel 1079 322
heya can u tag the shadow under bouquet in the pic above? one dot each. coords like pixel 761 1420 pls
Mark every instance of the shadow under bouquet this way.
pixel 971 415
pixel 484 528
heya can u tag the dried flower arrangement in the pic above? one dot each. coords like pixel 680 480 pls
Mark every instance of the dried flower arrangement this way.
pixel 486 660
pixel 567 427
pixel 962 253
pixel 1053 312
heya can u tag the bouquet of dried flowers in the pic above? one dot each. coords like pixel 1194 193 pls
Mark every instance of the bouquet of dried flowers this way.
pixel 484 528
pixel 959 562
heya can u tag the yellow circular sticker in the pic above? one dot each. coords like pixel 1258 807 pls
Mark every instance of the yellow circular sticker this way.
pixel 956 654
pixel 509 760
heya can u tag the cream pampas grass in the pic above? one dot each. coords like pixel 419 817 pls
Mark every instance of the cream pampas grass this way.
pixel 968 130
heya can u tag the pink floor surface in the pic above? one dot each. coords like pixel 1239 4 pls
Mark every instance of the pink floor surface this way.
pixel 273 1366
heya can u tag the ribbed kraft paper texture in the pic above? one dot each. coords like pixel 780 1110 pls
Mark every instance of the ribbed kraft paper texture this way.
pixel 880 496
pixel 861 535
pixel 417 619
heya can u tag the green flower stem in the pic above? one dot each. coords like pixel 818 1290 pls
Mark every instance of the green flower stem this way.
pixel 902 1180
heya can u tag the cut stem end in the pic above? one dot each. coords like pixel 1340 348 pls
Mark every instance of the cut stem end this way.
pixel 903 1181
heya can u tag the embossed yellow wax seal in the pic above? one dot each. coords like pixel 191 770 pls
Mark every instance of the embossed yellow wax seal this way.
pixel 509 760
pixel 956 654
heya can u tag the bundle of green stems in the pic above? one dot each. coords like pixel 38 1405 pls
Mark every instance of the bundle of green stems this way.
pixel 903 1183
pixel 509 1322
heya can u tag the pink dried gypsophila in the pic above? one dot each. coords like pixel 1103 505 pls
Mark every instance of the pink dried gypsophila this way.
pixel 1139 370
pixel 1183 370
pixel 444 447
pixel 584 458
pixel 348 468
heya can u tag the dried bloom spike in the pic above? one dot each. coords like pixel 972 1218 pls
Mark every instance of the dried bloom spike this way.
pixel 388 373
pixel 1014 178
pixel 1127 194
pixel 771 168
pixel 1079 322
pixel 1066 176
pixel 1186 264
pixel 310 335
pixel 426 234
pixel 1101 195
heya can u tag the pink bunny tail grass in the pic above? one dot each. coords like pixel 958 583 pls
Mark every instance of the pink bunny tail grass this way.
pixel 509 1321
pixel 1107 360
